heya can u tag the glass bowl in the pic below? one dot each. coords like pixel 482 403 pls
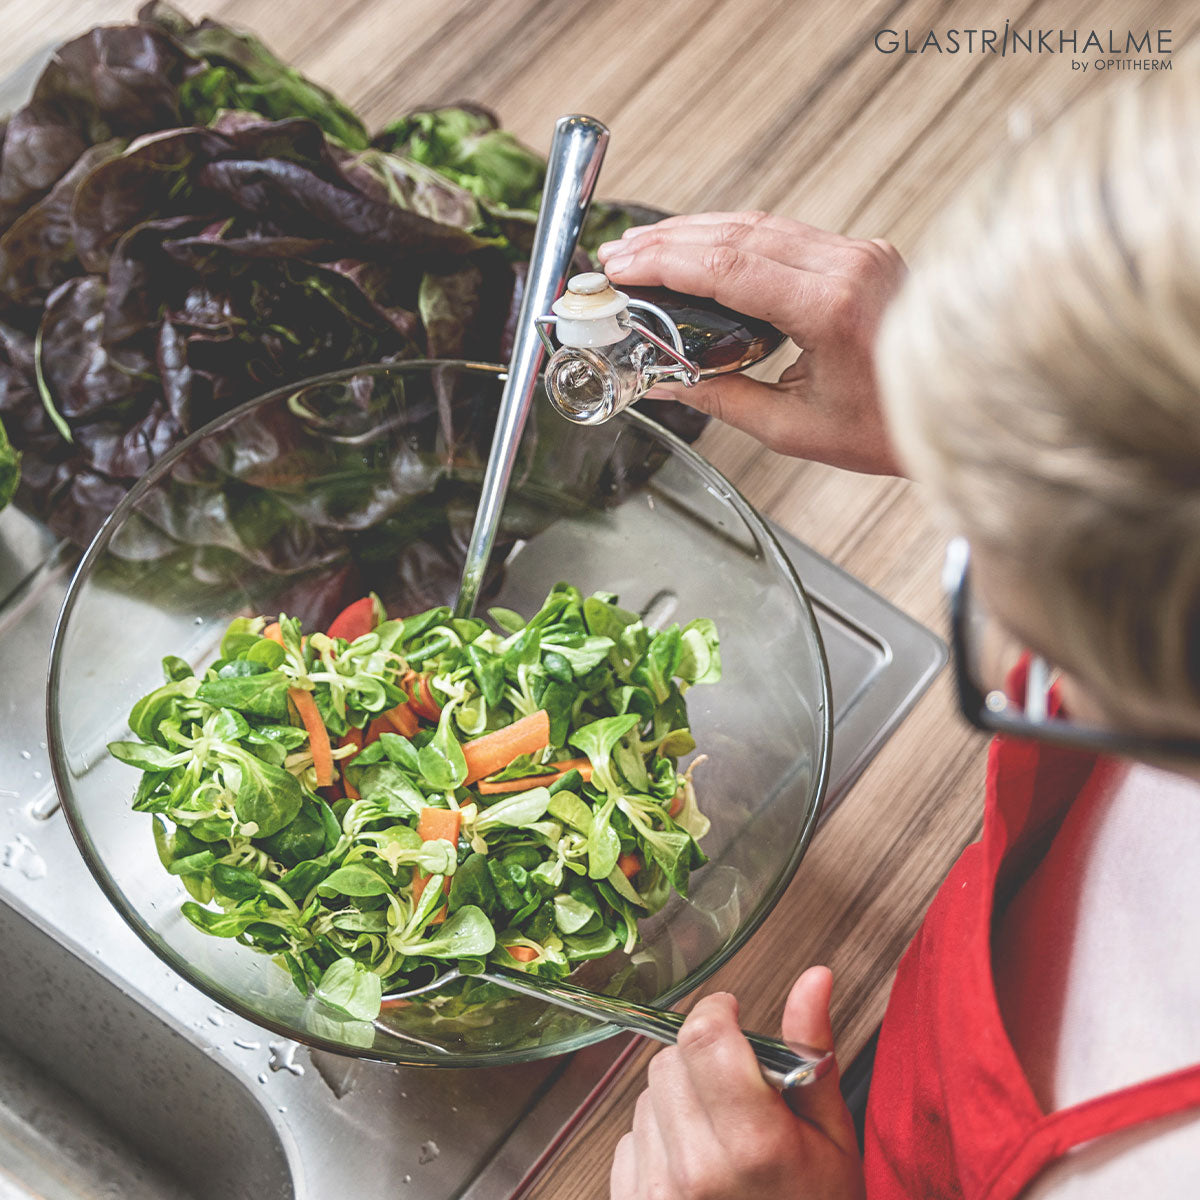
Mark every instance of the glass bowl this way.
pixel 367 480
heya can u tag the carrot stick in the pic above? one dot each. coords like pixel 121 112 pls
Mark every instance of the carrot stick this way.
pixel 432 824
pixel 494 751
pixel 435 823
pixel 630 864
pixel 676 804
pixel 318 735
pixel 377 726
pixel 275 634
pixel 402 719
pixel 522 953
pixel 419 880
pixel 582 765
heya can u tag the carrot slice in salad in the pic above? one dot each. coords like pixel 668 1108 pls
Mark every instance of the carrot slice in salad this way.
pixel 435 823
pixel 375 728
pixel 630 864
pixel 402 719
pixel 560 770
pixel 494 751
pixel 432 824
pixel 522 953
pixel 318 735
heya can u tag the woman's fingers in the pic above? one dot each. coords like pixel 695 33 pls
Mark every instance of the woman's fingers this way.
pixel 793 300
pixel 723 1072
pixel 768 413
pixel 649 1151
pixel 762 220
pixel 622 1179
pixel 691 1144
pixel 826 292
pixel 708 1125
pixel 806 1022
pixel 800 247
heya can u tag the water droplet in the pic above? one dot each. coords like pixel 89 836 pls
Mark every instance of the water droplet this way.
pixel 662 605
pixel 21 855
pixel 262 1077
pixel 454 1108
pixel 407 1179
pixel 246 1044
pixel 41 745
pixel 44 807
pixel 283 1108
pixel 429 1151
pixel 339 1074
pixel 283 1058
pixel 37 774
pixel 26 755
pixel 403 1095
pixel 198 621
pixel 215 1018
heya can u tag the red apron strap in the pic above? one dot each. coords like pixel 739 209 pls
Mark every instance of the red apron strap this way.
pixel 1061 1131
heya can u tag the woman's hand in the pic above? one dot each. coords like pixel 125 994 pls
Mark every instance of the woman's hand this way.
pixel 709 1128
pixel 826 292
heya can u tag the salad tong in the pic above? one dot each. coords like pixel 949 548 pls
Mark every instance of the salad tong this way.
pixel 571 170
pixel 576 153
pixel 782 1066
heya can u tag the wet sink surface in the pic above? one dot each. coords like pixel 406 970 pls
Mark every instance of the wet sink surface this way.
pixel 99 1099
pixel 99 1096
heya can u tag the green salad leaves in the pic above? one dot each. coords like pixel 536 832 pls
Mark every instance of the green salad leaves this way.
pixel 370 806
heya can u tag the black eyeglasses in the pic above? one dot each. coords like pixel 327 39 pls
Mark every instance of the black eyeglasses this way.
pixel 984 702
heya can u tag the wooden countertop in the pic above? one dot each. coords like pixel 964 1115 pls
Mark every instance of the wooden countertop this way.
pixel 785 105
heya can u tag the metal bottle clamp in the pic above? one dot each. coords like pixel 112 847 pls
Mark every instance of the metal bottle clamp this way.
pixel 687 371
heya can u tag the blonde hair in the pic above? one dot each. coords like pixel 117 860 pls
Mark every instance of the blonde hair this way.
pixel 1041 369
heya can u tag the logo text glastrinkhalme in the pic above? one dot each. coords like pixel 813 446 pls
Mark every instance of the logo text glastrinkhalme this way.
pixel 1010 40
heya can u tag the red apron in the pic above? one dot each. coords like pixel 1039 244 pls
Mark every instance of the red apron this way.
pixel 950 1111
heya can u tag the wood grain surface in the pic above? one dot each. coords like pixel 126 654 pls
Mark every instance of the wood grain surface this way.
pixel 779 104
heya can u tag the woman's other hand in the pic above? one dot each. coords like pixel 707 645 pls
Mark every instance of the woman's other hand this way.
pixel 826 292
pixel 708 1127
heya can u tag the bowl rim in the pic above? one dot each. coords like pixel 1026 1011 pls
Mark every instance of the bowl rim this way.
pixel 725 490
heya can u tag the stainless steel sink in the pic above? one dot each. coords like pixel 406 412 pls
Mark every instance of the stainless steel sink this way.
pixel 175 1122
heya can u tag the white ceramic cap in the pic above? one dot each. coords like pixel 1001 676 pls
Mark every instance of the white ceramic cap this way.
pixel 587 311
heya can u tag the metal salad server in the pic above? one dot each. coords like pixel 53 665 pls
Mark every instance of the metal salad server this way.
pixel 571 171
pixel 782 1066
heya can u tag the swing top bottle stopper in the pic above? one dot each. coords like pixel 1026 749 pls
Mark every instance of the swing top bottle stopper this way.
pixel 615 345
